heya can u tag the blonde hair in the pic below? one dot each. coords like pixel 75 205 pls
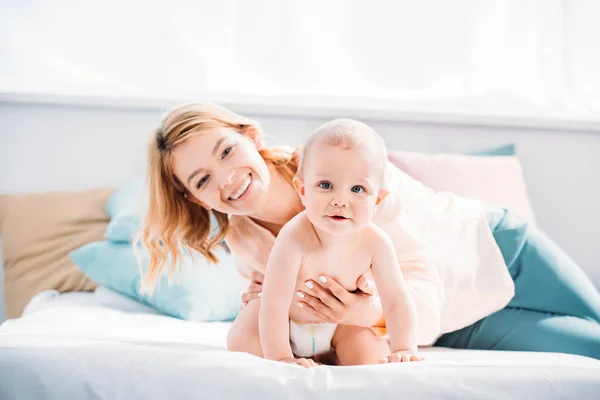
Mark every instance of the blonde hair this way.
pixel 345 134
pixel 174 223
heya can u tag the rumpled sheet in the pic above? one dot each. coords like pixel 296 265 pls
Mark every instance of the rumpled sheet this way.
pixel 83 350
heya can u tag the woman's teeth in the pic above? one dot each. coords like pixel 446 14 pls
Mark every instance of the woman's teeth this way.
pixel 238 193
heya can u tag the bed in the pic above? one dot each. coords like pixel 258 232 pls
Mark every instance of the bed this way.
pixel 75 346
pixel 89 342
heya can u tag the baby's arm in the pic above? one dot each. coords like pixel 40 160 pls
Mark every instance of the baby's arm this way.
pixel 277 293
pixel 398 306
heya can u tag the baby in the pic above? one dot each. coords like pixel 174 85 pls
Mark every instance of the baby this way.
pixel 339 181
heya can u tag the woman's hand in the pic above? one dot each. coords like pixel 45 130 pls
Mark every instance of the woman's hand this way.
pixel 328 301
pixel 254 289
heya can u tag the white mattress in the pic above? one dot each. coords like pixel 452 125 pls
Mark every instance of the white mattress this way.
pixel 81 349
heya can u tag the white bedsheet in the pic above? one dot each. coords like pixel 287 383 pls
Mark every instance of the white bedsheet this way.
pixel 79 349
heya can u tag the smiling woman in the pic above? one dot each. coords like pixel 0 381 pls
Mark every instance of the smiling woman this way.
pixel 221 172
pixel 213 161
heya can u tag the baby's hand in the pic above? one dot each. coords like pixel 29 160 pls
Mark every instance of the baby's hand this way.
pixel 402 356
pixel 303 362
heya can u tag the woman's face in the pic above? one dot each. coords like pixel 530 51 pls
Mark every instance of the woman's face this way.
pixel 223 170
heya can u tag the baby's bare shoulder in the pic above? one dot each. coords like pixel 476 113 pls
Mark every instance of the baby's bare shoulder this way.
pixel 298 231
pixel 376 238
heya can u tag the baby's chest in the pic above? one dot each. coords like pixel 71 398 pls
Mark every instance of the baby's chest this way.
pixel 344 268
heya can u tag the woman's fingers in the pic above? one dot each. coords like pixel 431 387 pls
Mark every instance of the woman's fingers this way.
pixel 254 287
pixel 316 308
pixel 257 277
pixel 365 285
pixel 248 296
pixel 329 292
pixel 324 303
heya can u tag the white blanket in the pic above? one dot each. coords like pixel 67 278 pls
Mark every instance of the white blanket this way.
pixel 83 350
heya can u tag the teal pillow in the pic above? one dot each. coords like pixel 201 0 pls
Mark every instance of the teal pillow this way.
pixel 506 150
pixel 201 292
pixel 124 207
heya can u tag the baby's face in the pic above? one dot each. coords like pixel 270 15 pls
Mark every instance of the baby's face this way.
pixel 340 188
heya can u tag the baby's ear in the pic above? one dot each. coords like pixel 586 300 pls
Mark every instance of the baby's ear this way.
pixel 382 195
pixel 299 186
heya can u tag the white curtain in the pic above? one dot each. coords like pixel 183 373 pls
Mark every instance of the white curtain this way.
pixel 517 58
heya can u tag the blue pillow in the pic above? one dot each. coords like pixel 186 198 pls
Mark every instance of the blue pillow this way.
pixel 506 150
pixel 201 292
pixel 124 208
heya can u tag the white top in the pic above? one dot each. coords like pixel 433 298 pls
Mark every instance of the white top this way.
pixel 448 255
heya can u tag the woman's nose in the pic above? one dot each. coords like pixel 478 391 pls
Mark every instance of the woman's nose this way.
pixel 226 180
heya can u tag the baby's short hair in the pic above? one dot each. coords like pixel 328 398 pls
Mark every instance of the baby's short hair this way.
pixel 346 134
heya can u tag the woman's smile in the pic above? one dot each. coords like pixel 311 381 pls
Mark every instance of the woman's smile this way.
pixel 243 190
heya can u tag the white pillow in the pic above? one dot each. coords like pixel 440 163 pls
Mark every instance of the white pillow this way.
pixel 495 180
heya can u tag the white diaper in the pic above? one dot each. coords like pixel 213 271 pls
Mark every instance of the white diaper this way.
pixel 308 340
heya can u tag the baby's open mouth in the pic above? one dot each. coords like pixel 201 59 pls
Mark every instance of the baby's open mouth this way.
pixel 337 217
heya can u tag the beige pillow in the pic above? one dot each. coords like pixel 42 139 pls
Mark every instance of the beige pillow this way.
pixel 38 231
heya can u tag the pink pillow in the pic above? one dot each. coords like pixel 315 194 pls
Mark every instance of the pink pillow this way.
pixel 495 180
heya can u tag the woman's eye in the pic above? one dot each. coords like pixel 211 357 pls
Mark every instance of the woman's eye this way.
pixel 201 181
pixel 357 189
pixel 226 152
pixel 325 185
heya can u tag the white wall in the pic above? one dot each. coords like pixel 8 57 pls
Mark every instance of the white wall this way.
pixel 46 147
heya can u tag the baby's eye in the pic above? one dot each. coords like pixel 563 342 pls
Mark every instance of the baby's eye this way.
pixel 325 185
pixel 357 189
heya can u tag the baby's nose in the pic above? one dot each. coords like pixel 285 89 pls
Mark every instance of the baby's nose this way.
pixel 339 201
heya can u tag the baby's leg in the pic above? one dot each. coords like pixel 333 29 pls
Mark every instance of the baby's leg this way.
pixel 243 334
pixel 357 345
